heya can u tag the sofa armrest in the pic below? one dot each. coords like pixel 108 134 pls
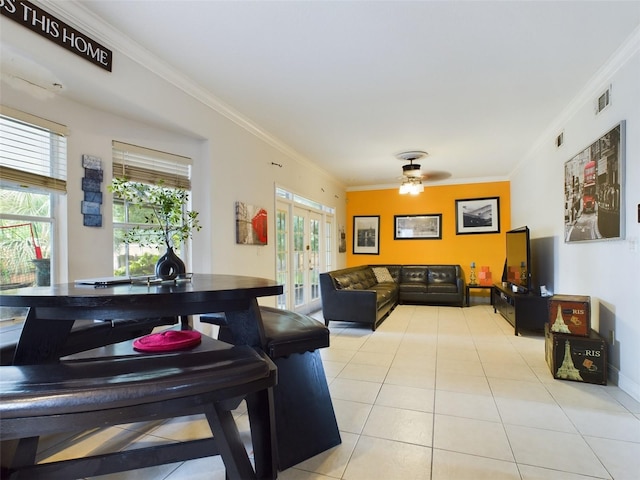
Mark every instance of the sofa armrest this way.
pixel 346 304
pixel 461 281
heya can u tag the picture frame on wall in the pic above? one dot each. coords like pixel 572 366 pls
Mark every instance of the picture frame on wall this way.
pixel 366 235
pixel 594 190
pixel 342 241
pixel 478 215
pixel 427 226
pixel 251 224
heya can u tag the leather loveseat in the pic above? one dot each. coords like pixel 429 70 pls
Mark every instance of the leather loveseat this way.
pixel 368 293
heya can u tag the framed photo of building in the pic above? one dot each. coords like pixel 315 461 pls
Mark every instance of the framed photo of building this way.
pixel 417 227
pixel 593 190
pixel 366 235
pixel 478 215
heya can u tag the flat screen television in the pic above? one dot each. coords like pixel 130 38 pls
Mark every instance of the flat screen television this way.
pixel 543 254
pixel 517 271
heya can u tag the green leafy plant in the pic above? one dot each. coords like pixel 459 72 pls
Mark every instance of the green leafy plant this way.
pixel 161 208
pixel 142 265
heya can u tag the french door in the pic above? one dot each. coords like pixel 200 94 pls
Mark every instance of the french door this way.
pixel 303 239
pixel 306 260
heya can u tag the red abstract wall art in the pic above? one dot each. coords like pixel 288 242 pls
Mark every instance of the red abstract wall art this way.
pixel 251 224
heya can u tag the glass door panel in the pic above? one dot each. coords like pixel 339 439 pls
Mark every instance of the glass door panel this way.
pixel 282 254
pixel 298 264
pixel 314 258
pixel 306 259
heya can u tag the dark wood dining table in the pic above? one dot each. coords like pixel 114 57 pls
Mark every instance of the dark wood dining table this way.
pixel 53 309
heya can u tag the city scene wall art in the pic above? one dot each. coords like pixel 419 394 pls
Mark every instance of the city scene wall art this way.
pixel 593 190
pixel 417 227
pixel 478 215
pixel 366 235
pixel 251 224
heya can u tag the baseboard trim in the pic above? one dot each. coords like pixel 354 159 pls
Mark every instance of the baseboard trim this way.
pixel 627 385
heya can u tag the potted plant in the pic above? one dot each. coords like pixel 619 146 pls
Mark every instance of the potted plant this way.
pixel 168 221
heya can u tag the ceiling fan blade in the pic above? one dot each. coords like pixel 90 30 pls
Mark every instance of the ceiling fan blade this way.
pixel 435 176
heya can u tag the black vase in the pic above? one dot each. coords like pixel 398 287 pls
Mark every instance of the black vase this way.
pixel 169 266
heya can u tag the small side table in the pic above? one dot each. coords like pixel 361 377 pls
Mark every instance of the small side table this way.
pixel 469 287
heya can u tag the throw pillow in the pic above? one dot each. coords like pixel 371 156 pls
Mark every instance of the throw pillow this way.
pixel 382 274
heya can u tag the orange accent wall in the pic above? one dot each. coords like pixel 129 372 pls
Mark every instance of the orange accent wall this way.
pixel 487 249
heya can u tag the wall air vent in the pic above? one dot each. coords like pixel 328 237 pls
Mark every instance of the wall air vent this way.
pixel 603 100
pixel 559 139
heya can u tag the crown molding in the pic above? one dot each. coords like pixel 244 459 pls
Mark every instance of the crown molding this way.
pixel 77 15
pixel 592 89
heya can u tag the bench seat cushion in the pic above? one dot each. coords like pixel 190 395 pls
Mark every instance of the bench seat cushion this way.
pixel 442 288
pixel 385 293
pixel 413 287
pixel 290 332
pixel 109 383
pixel 286 332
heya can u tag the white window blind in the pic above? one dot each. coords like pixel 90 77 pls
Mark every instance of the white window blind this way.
pixel 140 164
pixel 33 152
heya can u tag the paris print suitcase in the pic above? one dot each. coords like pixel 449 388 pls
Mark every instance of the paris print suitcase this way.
pixel 581 359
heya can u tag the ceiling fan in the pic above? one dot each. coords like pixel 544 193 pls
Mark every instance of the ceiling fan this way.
pixel 412 175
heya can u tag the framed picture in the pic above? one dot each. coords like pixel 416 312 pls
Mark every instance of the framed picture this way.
pixel 366 235
pixel 342 241
pixel 593 190
pixel 251 224
pixel 417 227
pixel 478 215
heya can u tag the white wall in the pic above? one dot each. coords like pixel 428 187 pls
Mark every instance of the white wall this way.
pixel 230 164
pixel 89 250
pixel 606 270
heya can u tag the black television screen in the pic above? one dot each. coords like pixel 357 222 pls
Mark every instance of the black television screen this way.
pixel 518 264
pixel 543 254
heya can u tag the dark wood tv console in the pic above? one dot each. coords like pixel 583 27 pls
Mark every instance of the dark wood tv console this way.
pixel 525 311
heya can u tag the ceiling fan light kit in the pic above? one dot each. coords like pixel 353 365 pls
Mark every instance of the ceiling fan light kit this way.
pixel 411 170
pixel 411 185
pixel 412 174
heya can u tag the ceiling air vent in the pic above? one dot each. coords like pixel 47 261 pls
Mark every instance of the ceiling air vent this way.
pixel 603 100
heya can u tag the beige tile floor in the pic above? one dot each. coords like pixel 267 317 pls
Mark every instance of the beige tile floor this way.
pixel 435 393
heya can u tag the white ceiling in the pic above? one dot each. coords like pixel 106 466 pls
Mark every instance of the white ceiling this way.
pixel 348 84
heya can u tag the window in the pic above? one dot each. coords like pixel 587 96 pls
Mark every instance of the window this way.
pixel 139 164
pixel 33 161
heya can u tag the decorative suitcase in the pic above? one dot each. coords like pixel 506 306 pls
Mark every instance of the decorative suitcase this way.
pixel 570 314
pixel 582 359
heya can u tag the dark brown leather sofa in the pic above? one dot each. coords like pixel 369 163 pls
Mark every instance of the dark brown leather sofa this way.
pixel 368 293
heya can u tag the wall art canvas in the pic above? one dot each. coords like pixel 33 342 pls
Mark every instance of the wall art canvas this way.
pixel 251 224
pixel 593 190
pixel 478 215
pixel 91 186
pixel 417 227
pixel 366 235
pixel 342 241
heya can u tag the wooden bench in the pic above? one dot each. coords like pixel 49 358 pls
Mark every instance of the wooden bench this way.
pixel 84 392
pixel 305 420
